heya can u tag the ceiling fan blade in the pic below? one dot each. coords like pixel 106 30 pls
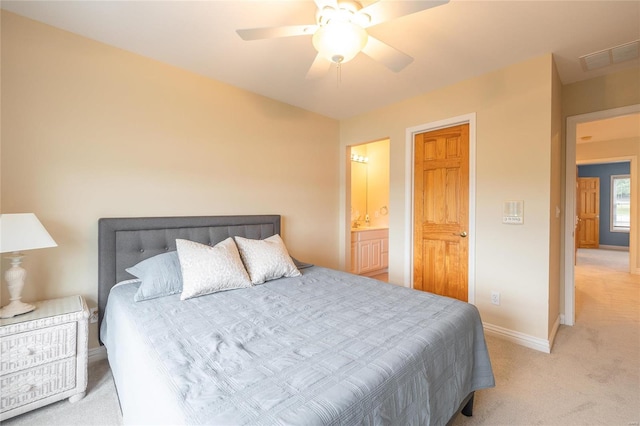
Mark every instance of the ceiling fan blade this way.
pixel 276 32
pixel 319 68
pixel 389 56
pixel 382 11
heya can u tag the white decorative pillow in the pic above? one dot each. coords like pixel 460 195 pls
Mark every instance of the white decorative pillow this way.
pixel 208 269
pixel 266 259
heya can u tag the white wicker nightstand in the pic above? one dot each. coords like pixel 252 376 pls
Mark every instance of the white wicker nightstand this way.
pixel 43 356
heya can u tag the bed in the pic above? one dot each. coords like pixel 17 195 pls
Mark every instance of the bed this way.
pixel 323 347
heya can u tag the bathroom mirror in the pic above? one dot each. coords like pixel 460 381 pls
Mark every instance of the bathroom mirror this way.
pixel 359 192
pixel 370 184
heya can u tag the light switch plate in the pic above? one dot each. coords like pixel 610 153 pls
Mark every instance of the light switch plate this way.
pixel 513 212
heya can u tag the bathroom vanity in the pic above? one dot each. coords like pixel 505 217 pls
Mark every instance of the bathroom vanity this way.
pixel 369 250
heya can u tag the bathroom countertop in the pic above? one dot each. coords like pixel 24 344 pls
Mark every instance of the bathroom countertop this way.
pixel 368 228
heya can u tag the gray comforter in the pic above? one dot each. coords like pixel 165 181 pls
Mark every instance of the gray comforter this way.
pixel 323 348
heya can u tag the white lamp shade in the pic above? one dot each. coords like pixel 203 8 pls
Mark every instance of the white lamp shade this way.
pixel 23 231
pixel 340 41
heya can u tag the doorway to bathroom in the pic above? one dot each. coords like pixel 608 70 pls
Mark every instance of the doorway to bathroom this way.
pixel 369 209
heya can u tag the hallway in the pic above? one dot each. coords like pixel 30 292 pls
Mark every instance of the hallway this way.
pixel 604 287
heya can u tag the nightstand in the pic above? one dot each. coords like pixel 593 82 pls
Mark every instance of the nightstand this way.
pixel 43 356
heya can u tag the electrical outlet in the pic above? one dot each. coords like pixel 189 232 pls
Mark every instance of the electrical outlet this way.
pixel 93 315
pixel 495 297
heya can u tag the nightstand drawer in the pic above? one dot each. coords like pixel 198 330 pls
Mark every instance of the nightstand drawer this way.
pixel 30 349
pixel 37 383
pixel 43 356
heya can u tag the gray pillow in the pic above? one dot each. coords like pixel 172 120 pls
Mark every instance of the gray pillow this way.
pixel 160 276
pixel 300 264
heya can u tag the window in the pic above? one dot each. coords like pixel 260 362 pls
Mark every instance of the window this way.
pixel 620 203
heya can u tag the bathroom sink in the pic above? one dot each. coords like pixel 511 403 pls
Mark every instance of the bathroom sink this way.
pixel 368 228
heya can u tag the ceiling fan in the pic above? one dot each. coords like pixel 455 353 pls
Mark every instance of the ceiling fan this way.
pixel 339 33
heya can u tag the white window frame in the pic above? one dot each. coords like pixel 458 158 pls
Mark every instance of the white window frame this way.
pixel 612 227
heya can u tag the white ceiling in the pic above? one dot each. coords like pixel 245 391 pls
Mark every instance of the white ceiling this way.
pixel 450 43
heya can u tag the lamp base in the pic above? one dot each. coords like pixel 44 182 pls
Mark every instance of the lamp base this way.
pixel 14 308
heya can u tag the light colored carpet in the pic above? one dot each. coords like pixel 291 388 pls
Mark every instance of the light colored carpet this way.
pixel 592 376
pixel 99 407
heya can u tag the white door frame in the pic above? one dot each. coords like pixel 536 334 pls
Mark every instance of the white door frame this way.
pixel 569 316
pixel 409 162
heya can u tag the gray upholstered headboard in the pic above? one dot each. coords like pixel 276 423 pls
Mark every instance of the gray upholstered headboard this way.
pixel 123 242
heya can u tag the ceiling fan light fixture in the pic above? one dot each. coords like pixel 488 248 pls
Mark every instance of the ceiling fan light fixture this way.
pixel 340 41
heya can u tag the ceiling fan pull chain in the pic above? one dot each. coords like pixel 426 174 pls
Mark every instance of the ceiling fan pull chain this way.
pixel 338 74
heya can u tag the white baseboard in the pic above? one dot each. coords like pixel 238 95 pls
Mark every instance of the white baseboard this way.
pixel 97 354
pixel 521 339
pixel 554 331
pixel 618 248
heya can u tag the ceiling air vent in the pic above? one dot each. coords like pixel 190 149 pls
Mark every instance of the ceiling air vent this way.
pixel 611 56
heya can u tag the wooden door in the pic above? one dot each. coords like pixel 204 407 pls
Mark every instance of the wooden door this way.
pixel 441 212
pixel 577 226
pixel 589 212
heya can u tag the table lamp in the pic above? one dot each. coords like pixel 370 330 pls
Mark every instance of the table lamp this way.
pixel 20 232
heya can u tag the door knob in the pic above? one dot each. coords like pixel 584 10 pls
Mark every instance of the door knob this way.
pixel 463 234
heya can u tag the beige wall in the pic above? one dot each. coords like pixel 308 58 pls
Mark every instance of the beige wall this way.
pixel 601 93
pixel 556 204
pixel 513 109
pixel 91 131
pixel 608 149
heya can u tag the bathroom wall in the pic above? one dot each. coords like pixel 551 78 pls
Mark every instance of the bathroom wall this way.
pixel 378 192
